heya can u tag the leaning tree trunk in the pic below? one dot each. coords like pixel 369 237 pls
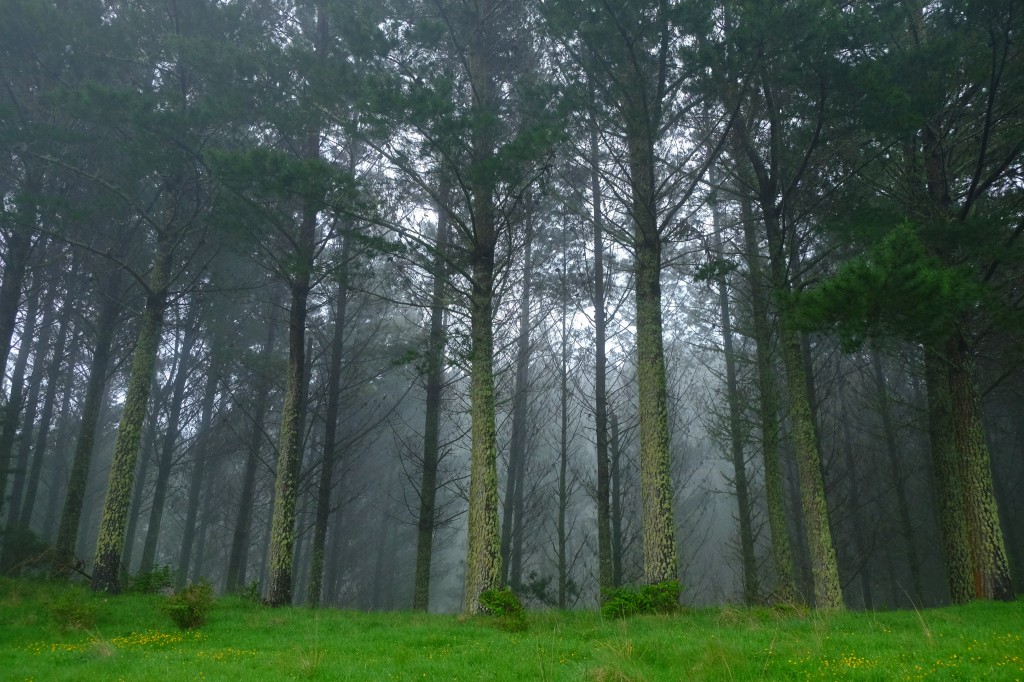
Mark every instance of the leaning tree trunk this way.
pixel 110 542
pixel 92 403
pixel 19 247
pixel 432 419
pixel 984 532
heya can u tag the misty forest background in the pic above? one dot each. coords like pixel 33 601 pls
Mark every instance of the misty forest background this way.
pixel 380 304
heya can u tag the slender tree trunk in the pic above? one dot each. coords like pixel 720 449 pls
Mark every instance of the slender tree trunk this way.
pixel 432 419
pixel 323 508
pixel 563 434
pixel 616 501
pixel 12 410
pixel 660 559
pixel 62 444
pixel 854 493
pixel 899 480
pixel 92 403
pixel 171 432
pixel 19 247
pixel 991 571
pixel 110 542
pixel 238 557
pixel 53 375
pixel 200 461
pixel 511 521
pixel 768 414
pixel 282 534
pixel 751 587
pixel 605 563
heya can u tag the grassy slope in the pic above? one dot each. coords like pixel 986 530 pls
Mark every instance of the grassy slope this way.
pixel 130 638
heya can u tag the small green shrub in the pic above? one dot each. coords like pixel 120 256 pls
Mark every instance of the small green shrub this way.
pixel 74 610
pixel 189 607
pixel 506 608
pixel 623 602
pixel 151 582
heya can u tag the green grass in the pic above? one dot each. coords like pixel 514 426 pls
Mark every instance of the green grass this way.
pixel 63 632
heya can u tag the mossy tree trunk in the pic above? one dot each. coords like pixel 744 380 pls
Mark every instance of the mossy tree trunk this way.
pixel 828 592
pixel 432 418
pixel 483 554
pixel 991 572
pixel 110 542
pixel 282 528
pixel 660 560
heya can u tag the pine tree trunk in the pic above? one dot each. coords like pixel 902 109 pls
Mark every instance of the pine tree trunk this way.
pixel 92 403
pixel 282 533
pixel 432 419
pixel 62 445
pixel 660 560
pixel 616 498
pixel 483 554
pixel 511 520
pixel 146 454
pixel 323 508
pixel 605 562
pixel 898 479
pixel 948 481
pixel 563 434
pixel 110 543
pixel 854 495
pixel 824 566
pixel 768 416
pixel 751 588
pixel 984 532
pixel 19 247
pixel 53 375
pixel 171 432
pixel 12 410
pixel 200 461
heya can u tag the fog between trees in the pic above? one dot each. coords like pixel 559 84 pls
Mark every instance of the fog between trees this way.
pixel 381 305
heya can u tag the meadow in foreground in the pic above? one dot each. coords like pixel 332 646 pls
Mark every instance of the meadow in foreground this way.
pixel 63 632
